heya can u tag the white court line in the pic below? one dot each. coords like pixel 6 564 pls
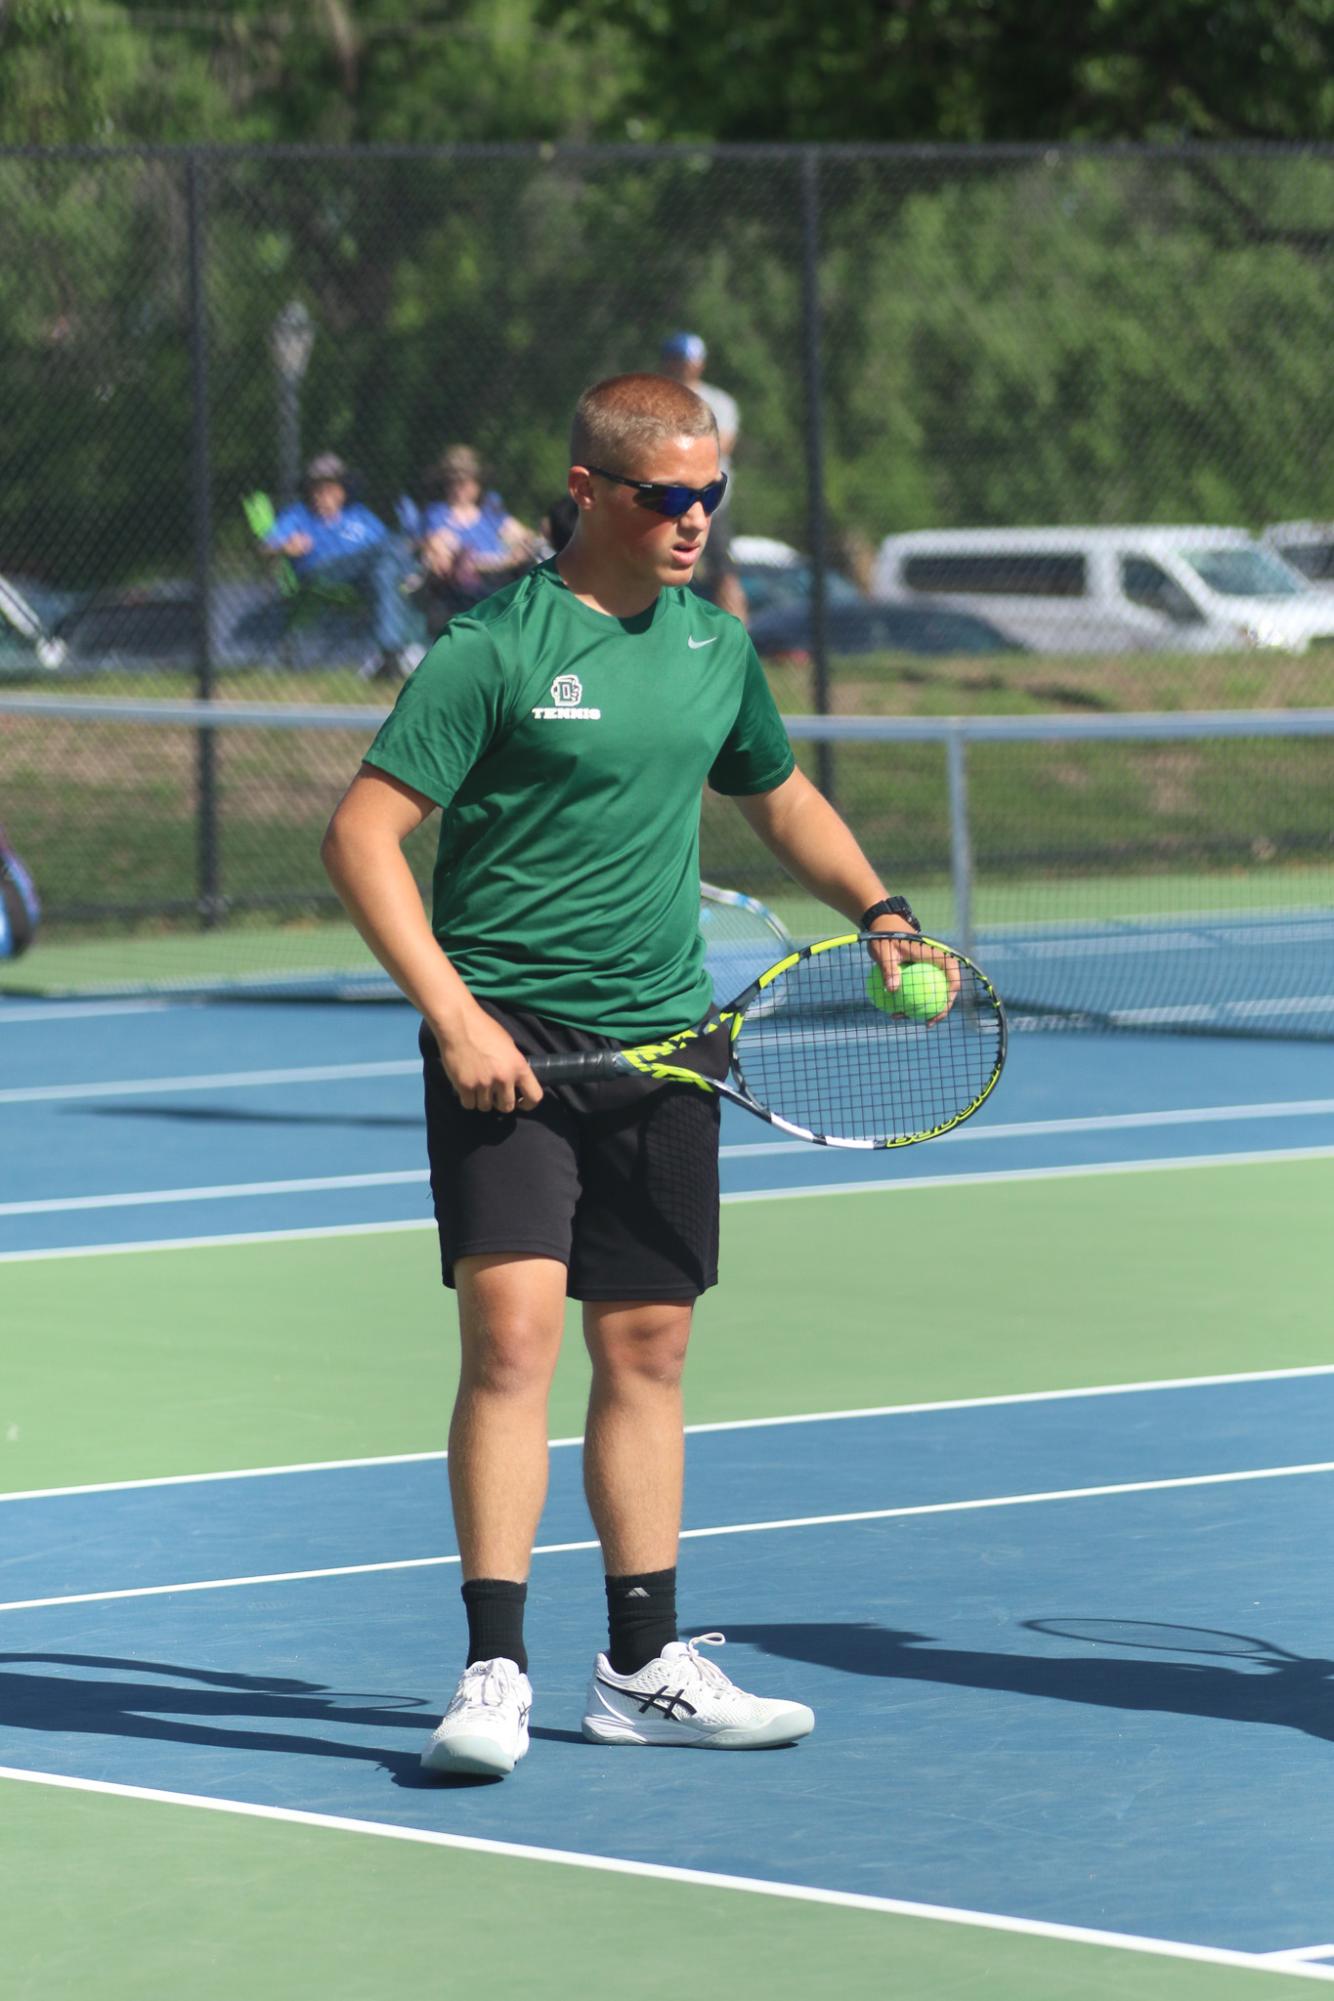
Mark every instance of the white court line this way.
pixel 315 1184
pixel 695 1535
pixel 1103 1122
pixel 224 1192
pixel 720 1424
pixel 903 1187
pixel 209 1080
pixel 664 1872
pixel 223 1239
pixel 1073 1172
pixel 79 1010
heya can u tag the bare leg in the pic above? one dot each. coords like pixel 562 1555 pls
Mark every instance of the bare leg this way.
pixel 634 1448
pixel 511 1315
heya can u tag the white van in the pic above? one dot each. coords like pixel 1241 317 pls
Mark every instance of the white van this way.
pixel 1111 590
pixel 1307 546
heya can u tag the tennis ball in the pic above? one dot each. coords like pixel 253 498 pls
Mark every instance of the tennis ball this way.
pixel 921 995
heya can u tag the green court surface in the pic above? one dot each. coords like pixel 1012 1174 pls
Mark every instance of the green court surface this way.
pixel 154 1362
pixel 326 1915
pixel 144 1363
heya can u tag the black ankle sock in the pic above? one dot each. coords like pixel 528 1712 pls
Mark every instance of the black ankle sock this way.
pixel 495 1620
pixel 641 1615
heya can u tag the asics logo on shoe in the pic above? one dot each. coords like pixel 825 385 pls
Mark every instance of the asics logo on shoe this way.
pixel 667 1702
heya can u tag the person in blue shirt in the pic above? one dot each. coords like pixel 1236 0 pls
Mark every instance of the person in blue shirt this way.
pixel 343 542
pixel 470 542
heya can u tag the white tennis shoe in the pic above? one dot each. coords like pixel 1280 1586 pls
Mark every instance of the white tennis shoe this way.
pixel 484 1731
pixel 684 1698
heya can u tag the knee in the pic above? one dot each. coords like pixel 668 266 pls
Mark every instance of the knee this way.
pixel 513 1361
pixel 649 1353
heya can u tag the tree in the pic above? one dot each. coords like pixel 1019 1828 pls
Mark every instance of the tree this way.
pixel 978 70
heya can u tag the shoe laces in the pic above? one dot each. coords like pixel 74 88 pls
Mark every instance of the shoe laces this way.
pixel 490 1683
pixel 708 1671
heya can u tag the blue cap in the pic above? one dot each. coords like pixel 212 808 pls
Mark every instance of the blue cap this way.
pixel 688 346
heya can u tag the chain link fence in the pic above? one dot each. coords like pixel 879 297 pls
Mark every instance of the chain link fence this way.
pixel 993 352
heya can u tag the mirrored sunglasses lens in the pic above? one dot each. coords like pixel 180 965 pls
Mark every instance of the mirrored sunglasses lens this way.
pixel 711 496
pixel 674 501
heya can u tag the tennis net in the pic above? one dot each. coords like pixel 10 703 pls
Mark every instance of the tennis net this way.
pixel 1171 872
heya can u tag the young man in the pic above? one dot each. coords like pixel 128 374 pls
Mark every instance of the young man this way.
pixel 566 728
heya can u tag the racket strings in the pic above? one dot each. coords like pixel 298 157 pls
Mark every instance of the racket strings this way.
pixel 826 1058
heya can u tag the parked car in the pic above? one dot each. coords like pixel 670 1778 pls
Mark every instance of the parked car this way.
pixel 773 573
pixel 1308 546
pixel 785 632
pixel 1111 590
pixel 154 625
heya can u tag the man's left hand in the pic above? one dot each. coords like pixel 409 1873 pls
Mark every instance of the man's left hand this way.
pixel 897 945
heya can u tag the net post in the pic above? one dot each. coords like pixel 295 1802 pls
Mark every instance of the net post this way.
pixel 961 847
pixel 207 842
pixel 815 494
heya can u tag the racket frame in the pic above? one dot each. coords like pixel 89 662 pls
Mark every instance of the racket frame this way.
pixel 656 1061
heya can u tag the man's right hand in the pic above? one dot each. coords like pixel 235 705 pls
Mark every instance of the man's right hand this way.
pixel 485 1065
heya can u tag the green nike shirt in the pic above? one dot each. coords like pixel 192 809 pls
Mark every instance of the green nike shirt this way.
pixel 568 751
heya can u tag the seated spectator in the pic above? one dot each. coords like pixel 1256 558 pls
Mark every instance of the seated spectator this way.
pixel 340 541
pixel 19 907
pixel 471 544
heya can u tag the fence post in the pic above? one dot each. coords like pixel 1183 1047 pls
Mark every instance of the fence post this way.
pixel 815 509
pixel 961 844
pixel 207 845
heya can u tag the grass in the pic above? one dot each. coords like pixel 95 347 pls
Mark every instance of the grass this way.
pixel 107 815
pixel 866 684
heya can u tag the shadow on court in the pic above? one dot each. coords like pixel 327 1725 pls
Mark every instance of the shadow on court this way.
pixel 221 1116
pixel 1293 1693
pixel 205 1713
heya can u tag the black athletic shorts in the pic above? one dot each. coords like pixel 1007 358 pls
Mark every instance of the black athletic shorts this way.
pixel 619 1181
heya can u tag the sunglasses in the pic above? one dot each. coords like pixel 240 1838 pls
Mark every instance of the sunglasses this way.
pixel 668 496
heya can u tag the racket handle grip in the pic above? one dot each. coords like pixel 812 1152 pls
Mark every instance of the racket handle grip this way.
pixel 593 1066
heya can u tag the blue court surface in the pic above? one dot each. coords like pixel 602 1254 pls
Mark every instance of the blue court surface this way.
pixel 278 1641
pixel 152 1121
pixel 1069 1653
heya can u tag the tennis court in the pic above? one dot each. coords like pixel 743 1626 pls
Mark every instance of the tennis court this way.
pixel 1011 1454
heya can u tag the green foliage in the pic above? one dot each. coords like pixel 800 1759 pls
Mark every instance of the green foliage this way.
pixel 975 70
pixel 1005 338
pixel 350 71
pixel 1074 339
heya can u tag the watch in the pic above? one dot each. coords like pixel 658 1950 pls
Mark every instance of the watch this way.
pixel 888 906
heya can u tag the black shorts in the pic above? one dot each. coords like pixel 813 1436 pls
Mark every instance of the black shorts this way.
pixel 618 1181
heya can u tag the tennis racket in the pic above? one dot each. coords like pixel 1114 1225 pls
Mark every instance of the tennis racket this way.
pixel 741 936
pixel 728 917
pixel 806 1048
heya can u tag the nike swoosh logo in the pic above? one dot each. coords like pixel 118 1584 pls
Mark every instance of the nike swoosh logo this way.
pixel 695 644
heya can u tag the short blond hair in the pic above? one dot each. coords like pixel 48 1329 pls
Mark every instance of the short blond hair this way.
pixel 617 421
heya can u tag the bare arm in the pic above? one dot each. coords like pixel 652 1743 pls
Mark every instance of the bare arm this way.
pixel 363 854
pixel 818 848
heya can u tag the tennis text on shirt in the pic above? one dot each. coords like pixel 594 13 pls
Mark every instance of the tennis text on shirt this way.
pixel 568 752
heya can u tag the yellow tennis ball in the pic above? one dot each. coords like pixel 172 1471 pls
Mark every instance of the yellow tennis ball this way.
pixel 921 994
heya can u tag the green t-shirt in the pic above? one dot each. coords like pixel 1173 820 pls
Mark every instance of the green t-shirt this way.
pixel 568 751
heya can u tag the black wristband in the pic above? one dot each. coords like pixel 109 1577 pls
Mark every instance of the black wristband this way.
pixel 888 906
